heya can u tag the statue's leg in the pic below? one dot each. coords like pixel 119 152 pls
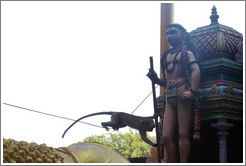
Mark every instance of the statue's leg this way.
pixel 184 110
pixel 169 129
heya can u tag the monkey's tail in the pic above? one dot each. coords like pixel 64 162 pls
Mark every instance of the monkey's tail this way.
pixel 98 113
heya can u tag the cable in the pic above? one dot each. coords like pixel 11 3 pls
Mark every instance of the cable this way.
pixel 49 114
pixel 73 119
pixel 143 100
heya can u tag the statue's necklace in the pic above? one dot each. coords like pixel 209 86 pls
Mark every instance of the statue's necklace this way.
pixel 174 59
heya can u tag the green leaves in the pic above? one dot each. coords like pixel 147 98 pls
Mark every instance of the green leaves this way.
pixel 128 144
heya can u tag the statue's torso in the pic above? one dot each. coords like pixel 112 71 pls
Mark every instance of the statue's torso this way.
pixel 174 71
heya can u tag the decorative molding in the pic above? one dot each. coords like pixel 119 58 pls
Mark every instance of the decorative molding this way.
pixel 221 97
pixel 230 90
pixel 221 83
pixel 214 90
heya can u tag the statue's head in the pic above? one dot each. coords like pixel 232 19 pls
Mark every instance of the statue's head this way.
pixel 175 34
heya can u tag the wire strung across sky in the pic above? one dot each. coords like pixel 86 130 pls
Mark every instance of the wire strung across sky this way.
pixel 143 100
pixel 69 118
pixel 49 114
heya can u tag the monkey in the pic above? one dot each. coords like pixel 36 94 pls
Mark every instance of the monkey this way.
pixel 121 119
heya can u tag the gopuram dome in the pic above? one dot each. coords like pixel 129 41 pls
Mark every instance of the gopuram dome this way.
pixel 220 93
pixel 217 40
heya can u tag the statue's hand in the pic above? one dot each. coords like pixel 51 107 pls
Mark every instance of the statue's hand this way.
pixel 152 75
pixel 186 95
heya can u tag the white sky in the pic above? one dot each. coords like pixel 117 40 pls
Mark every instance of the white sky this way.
pixel 75 58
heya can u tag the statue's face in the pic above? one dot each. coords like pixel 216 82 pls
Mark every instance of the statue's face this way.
pixel 174 36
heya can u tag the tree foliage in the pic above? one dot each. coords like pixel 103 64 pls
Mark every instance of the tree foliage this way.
pixel 128 144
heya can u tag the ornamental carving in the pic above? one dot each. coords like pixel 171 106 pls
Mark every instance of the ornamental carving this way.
pixel 230 90
pixel 217 40
pixel 214 90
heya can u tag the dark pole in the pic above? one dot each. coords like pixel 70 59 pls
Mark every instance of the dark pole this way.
pixel 155 112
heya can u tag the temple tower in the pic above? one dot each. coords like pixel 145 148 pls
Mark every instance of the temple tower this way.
pixel 221 93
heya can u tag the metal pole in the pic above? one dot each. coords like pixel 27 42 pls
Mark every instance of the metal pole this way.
pixel 167 15
pixel 155 112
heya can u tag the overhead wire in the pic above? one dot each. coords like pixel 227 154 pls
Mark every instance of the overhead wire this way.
pixel 49 114
pixel 143 100
pixel 73 119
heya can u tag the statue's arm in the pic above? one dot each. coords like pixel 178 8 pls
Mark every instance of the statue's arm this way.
pixel 195 72
pixel 162 82
pixel 153 77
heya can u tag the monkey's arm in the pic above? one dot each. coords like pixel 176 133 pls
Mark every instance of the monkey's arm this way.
pixel 145 139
